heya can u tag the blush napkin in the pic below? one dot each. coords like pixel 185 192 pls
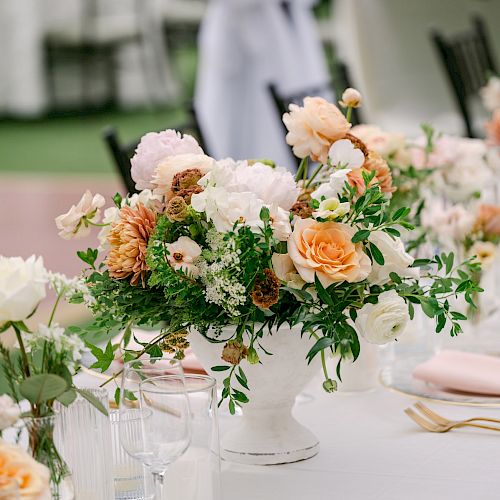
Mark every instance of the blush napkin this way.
pixel 462 371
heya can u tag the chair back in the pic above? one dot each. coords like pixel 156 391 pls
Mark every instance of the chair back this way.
pixel 122 153
pixel 468 61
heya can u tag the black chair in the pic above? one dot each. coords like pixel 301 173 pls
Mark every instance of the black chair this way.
pixel 91 43
pixel 122 153
pixel 468 61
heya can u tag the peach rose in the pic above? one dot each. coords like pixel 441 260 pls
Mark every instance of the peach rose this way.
pixel 326 249
pixel 488 220
pixel 33 477
pixel 314 127
pixel 493 128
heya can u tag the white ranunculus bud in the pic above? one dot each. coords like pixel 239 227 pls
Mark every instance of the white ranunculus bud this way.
pixel 351 98
pixel 397 260
pixel 383 322
pixel 9 412
pixel 22 287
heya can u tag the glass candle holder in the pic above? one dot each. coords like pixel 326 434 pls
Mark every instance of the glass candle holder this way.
pixel 83 436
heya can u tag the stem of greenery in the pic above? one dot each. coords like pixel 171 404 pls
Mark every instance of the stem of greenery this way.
pixel 313 176
pixel 24 356
pixel 348 113
pixel 56 303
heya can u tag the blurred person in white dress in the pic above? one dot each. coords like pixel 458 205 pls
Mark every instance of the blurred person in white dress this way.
pixel 245 45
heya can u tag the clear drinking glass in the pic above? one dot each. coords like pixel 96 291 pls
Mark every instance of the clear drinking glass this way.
pixel 154 415
pixel 83 436
pixel 196 475
pixel 132 480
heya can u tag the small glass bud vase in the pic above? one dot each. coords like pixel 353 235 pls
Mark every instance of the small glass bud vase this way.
pixel 44 450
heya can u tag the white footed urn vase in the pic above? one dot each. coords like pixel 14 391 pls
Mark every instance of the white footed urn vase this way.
pixel 267 433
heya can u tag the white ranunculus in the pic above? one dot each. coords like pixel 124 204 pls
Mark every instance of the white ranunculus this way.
pixel 490 94
pixel 280 222
pixel 76 222
pixel 332 209
pixel 9 412
pixel 351 98
pixel 397 260
pixel 274 186
pixel 344 153
pixel 225 208
pixel 22 287
pixel 334 187
pixel 382 322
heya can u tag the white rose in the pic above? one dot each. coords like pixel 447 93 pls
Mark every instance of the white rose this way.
pixel 224 208
pixel 334 187
pixel 397 260
pixel 9 412
pixel 382 322
pixel 22 287
pixel 331 209
pixel 76 223
pixel 344 153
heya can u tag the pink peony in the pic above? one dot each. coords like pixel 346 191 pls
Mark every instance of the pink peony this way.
pixel 156 146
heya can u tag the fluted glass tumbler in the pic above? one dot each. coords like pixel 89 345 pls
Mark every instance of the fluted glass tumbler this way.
pixel 196 475
pixel 83 436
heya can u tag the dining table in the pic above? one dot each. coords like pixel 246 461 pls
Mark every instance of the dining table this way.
pixel 371 450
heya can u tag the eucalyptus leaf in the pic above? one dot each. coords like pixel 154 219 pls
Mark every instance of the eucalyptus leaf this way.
pixel 42 388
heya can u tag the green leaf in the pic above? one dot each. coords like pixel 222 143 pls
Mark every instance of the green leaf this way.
pixel 322 293
pixel 220 368
pixel 117 396
pixel 66 398
pixel 92 400
pixel 449 262
pixel 232 409
pixel 41 388
pixel 104 358
pixel 395 277
pixel 240 396
pixel 427 307
pixel 401 213
pixel 377 254
pixel 392 231
pixel 361 235
pixel 320 345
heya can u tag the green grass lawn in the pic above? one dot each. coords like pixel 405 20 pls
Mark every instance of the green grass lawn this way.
pixel 73 144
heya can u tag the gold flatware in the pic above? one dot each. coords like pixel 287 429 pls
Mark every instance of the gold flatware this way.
pixel 431 426
pixel 445 421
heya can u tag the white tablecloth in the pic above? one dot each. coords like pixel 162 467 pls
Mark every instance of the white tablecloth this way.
pixel 370 450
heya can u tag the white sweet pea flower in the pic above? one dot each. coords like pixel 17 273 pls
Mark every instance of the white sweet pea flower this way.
pixel 280 222
pixel 383 322
pixel 22 287
pixel 76 223
pixel 397 260
pixel 334 187
pixel 331 209
pixel 182 254
pixel 225 208
pixel 344 153
pixel 9 412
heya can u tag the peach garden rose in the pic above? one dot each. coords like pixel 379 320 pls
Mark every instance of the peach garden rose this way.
pixel 313 128
pixel 326 249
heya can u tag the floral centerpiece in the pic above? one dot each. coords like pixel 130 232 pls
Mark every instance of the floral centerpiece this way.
pixel 41 367
pixel 210 244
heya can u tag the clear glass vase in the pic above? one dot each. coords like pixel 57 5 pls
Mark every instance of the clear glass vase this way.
pixel 83 436
pixel 44 450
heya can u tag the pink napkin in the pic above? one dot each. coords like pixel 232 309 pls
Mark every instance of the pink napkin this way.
pixel 462 371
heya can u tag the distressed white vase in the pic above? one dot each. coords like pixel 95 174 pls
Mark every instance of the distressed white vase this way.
pixel 267 433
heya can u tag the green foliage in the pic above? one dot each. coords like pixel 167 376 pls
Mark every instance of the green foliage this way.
pixel 39 389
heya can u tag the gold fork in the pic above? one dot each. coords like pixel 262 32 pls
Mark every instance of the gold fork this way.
pixel 444 421
pixel 433 427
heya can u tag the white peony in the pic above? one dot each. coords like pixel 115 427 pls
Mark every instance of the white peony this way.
pixel 344 153
pixel 397 260
pixel 332 209
pixel 490 94
pixel 334 187
pixel 155 147
pixel 182 255
pixel 9 412
pixel 22 287
pixel 77 222
pixel 383 322
pixel 274 186
pixel 280 222
pixel 225 208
